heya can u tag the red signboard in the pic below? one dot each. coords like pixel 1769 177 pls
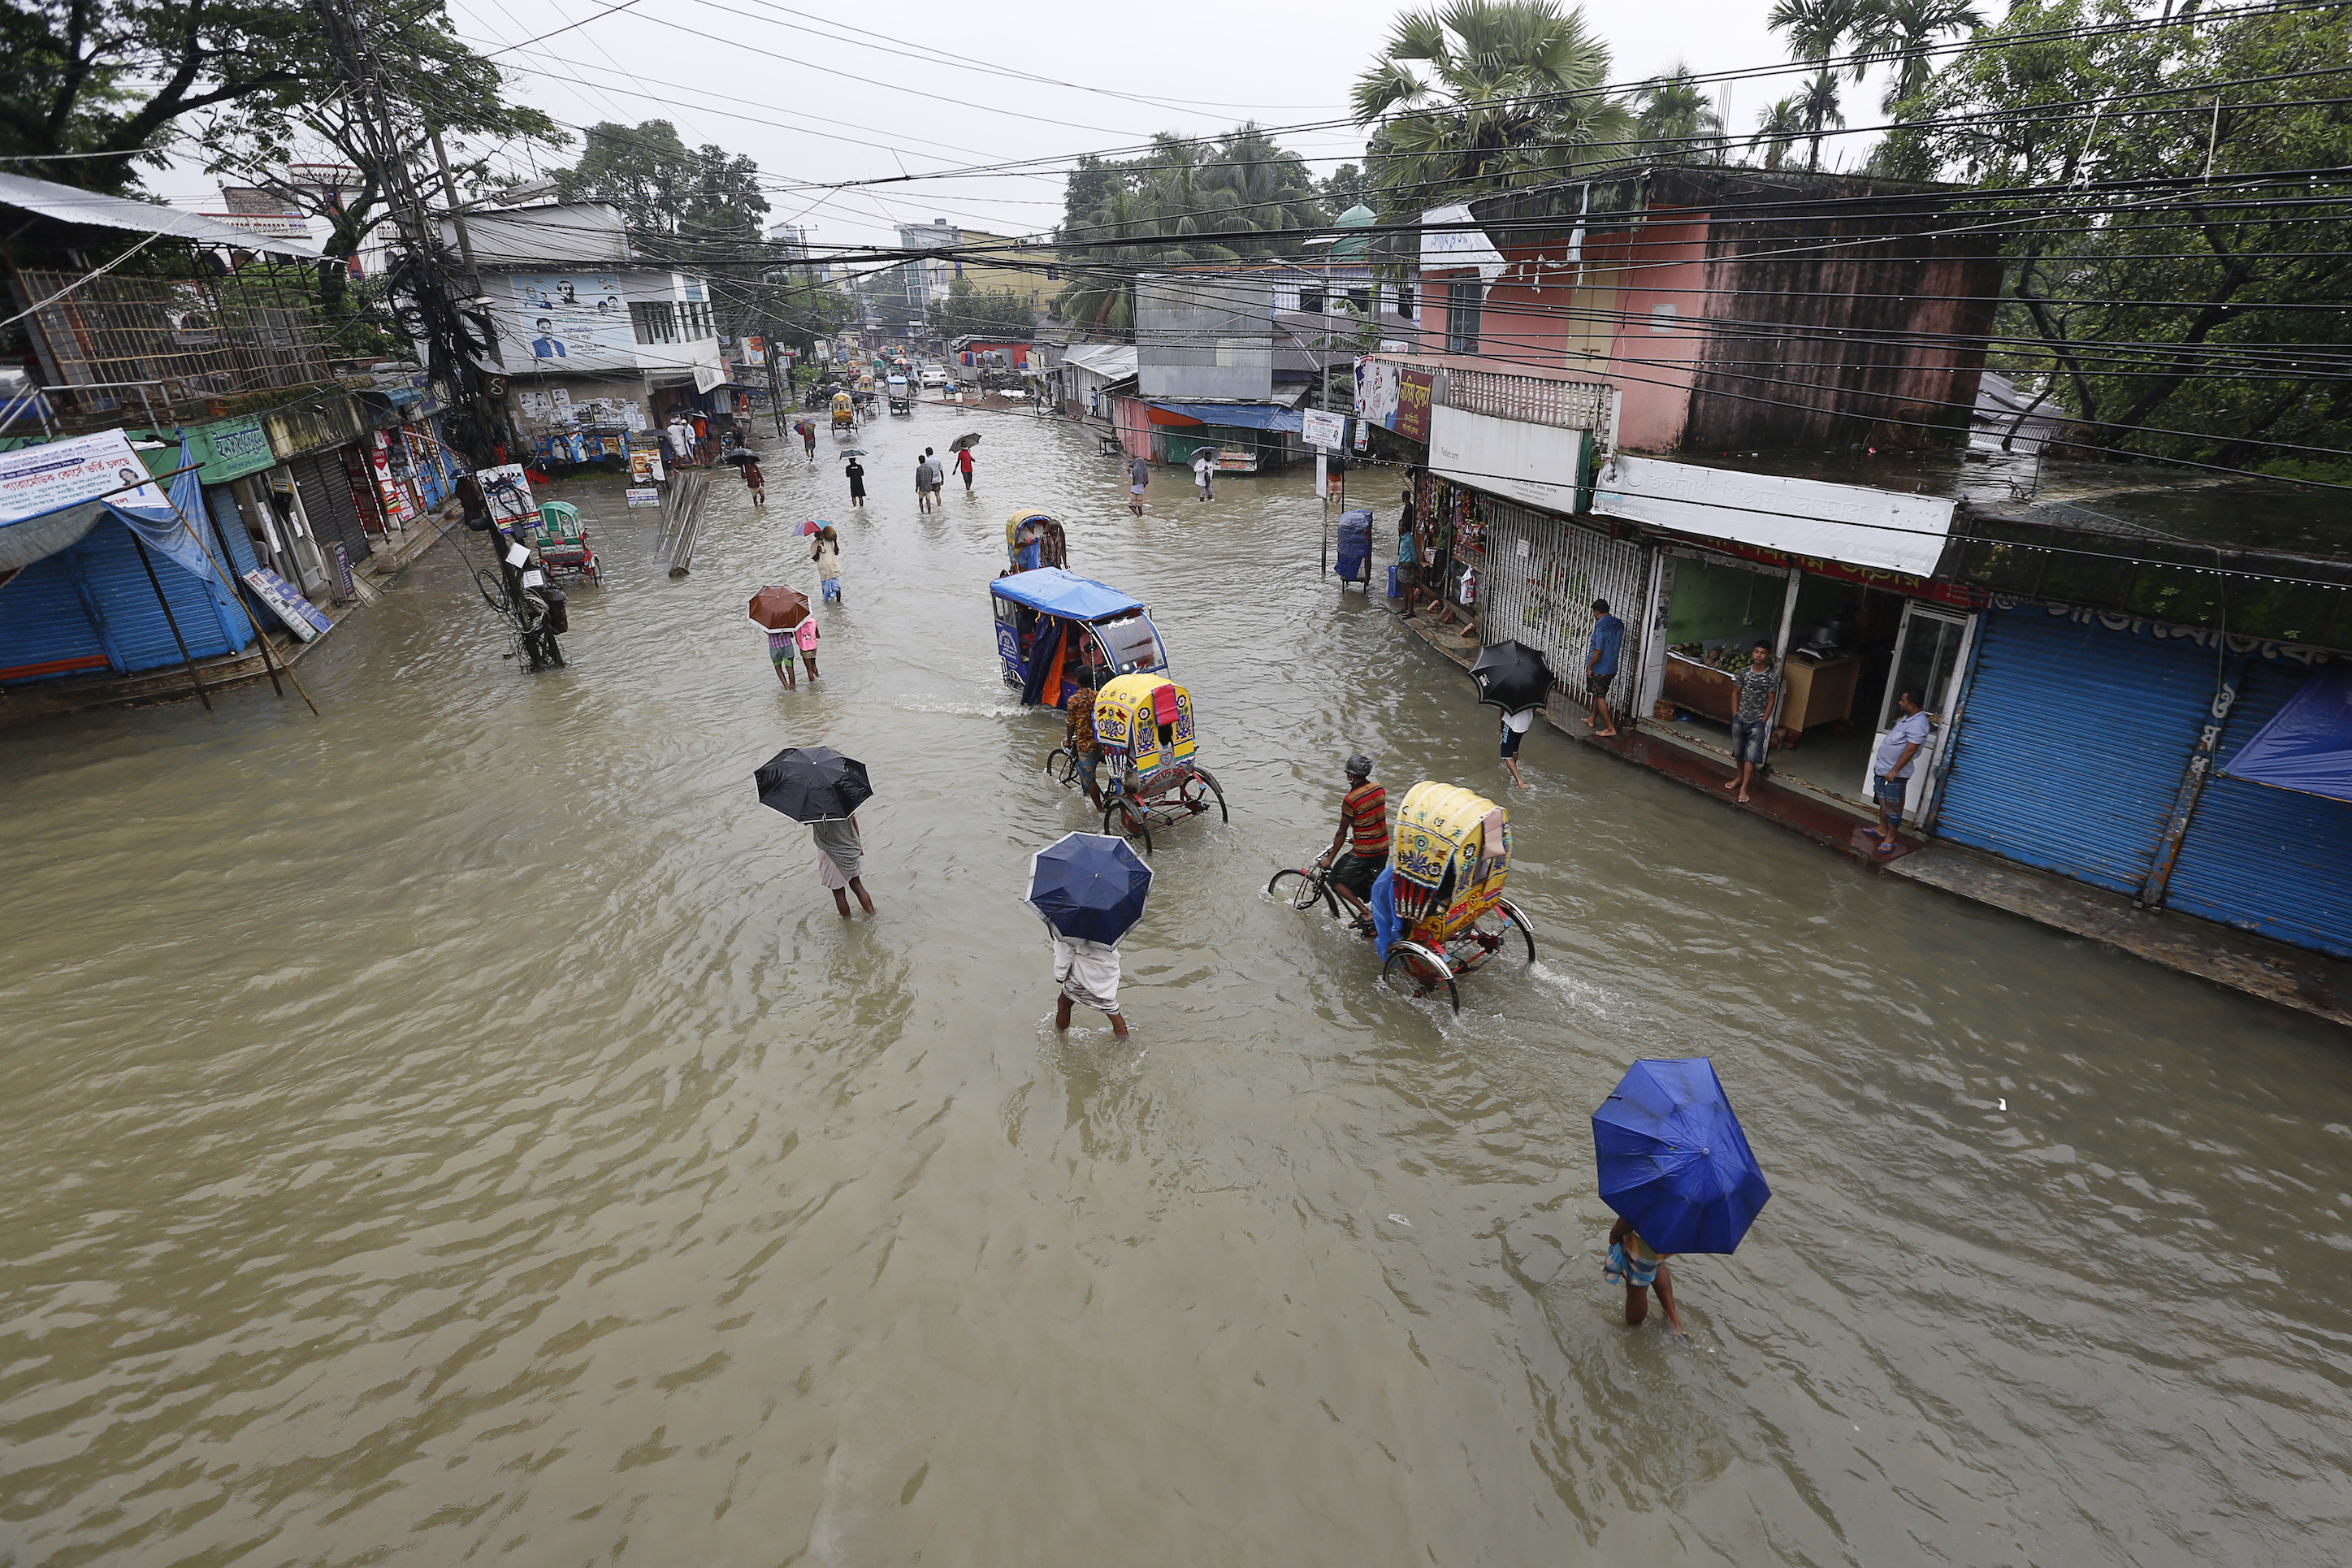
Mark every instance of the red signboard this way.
pixel 1416 389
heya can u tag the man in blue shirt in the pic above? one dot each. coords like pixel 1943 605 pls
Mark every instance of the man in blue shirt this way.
pixel 1600 667
pixel 1897 756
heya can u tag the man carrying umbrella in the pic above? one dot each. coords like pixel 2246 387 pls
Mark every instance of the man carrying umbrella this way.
pixel 1514 678
pixel 1674 1162
pixel 818 785
pixel 1090 888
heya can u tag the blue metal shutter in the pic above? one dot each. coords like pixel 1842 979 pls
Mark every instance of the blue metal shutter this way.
pixel 126 601
pixel 229 520
pixel 2072 745
pixel 2271 860
pixel 43 620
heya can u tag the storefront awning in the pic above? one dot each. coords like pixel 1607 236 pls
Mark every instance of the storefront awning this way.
pixel 2307 744
pixel 1857 524
pixel 1233 416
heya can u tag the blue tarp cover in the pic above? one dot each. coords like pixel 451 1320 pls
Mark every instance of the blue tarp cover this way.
pixel 2309 745
pixel 1065 593
pixel 1237 416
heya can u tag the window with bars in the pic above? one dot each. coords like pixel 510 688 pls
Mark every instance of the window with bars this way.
pixel 1463 300
pixel 654 320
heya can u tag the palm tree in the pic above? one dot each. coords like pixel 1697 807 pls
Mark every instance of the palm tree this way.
pixel 1254 183
pixel 1901 32
pixel 1778 128
pixel 1483 94
pixel 1815 30
pixel 1679 120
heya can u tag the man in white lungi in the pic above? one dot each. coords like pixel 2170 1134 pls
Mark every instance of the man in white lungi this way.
pixel 1088 972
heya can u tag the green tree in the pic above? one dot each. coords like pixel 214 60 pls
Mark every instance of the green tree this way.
pixel 1344 187
pixel 1678 120
pixel 2201 307
pixel 1899 33
pixel 1816 30
pixel 1779 130
pixel 116 76
pixel 700 198
pixel 968 312
pixel 1484 94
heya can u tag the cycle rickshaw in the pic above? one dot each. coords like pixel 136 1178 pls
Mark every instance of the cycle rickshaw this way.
pixel 1449 856
pixel 1144 725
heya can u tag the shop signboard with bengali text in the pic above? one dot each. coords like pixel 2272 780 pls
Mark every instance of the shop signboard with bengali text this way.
pixel 1416 392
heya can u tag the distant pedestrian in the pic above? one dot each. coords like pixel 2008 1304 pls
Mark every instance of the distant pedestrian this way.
pixel 806 634
pixel 1138 474
pixel 1751 723
pixel 1408 565
pixel 1891 769
pixel 780 654
pixel 1204 471
pixel 963 466
pixel 1600 667
pixel 856 472
pixel 939 473
pixel 923 483
pixel 840 856
pixel 1515 729
pixel 1088 972
pixel 808 439
pixel 1633 1264
pixel 826 551
pixel 756 483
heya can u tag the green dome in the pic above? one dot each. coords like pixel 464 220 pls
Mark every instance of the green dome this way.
pixel 1358 247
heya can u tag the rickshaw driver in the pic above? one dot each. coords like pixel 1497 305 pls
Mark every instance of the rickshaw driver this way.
pixel 1078 731
pixel 1364 829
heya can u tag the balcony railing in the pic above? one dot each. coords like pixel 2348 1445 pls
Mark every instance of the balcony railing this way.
pixel 1529 399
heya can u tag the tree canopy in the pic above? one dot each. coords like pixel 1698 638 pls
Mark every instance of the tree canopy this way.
pixel 665 190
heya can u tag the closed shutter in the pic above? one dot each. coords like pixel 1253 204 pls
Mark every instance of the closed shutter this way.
pixel 2072 745
pixel 2271 860
pixel 1542 573
pixel 228 523
pixel 45 628
pixel 327 502
pixel 108 560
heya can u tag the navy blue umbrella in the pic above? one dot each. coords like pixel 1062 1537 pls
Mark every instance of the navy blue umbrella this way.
pixel 1089 885
pixel 1672 1158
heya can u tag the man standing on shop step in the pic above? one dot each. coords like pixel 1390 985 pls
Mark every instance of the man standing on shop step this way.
pixel 1601 667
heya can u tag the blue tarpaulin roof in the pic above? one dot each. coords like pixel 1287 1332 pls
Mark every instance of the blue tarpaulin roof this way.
pixel 1065 593
pixel 1237 416
pixel 2307 745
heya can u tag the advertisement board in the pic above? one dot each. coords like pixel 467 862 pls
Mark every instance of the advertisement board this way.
pixel 574 320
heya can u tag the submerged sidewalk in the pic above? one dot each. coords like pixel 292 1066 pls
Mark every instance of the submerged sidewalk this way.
pixel 2294 977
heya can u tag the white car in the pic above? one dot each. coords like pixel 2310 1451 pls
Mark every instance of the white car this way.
pixel 934 376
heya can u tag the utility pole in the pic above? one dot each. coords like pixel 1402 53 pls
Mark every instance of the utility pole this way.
pixel 456 214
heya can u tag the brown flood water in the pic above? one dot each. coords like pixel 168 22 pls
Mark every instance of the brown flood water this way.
pixel 460 1127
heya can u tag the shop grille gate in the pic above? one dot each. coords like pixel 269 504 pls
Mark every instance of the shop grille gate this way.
pixel 1542 574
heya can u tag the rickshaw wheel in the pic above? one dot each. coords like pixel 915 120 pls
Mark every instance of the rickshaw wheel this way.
pixel 1526 929
pixel 1299 890
pixel 1491 934
pixel 1061 766
pixel 1416 972
pixel 1191 795
pixel 1123 816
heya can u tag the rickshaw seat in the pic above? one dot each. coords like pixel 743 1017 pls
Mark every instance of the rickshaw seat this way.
pixel 1163 705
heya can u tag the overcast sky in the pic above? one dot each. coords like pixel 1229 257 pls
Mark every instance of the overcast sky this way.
pixel 811 99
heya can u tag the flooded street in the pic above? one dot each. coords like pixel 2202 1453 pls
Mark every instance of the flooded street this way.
pixel 460 1125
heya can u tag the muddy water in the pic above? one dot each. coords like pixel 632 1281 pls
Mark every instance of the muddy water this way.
pixel 460 1126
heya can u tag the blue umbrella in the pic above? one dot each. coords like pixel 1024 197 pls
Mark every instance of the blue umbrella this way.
pixel 1672 1159
pixel 1089 885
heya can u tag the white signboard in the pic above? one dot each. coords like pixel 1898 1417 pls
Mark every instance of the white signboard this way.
pixel 38 479
pixel 1376 392
pixel 506 493
pixel 574 320
pixel 644 495
pixel 1454 248
pixel 1852 523
pixel 1530 463
pixel 1321 427
pixel 302 617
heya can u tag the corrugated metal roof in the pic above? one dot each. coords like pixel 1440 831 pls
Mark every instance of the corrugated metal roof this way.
pixel 68 204
pixel 1115 362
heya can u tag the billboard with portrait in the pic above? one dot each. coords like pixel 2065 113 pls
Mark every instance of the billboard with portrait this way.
pixel 574 320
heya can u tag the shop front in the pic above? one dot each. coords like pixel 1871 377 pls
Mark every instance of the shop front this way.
pixel 323 489
pixel 2102 747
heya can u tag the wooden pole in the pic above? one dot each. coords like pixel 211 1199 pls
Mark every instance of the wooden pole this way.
pixel 268 656
pixel 186 662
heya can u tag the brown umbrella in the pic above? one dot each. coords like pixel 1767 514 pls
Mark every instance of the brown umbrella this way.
pixel 779 609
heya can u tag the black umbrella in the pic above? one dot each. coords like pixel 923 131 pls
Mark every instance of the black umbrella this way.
pixel 1511 676
pixel 813 784
pixel 740 455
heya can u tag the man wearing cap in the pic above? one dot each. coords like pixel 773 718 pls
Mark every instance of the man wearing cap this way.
pixel 1364 829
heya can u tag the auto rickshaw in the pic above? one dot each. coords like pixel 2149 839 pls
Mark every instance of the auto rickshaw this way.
pixel 902 395
pixel 1051 623
pixel 1144 725
pixel 1034 539
pixel 1450 851
pixel 844 415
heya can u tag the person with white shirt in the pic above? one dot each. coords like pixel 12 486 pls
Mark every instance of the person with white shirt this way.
pixel 1515 729
pixel 1204 471
pixel 1892 767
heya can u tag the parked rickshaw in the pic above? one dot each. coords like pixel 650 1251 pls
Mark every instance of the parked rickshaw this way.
pixel 1034 539
pixel 1451 851
pixel 1152 758
pixel 844 415
pixel 1051 623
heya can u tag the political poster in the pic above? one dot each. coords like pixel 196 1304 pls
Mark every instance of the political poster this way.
pixel 574 320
